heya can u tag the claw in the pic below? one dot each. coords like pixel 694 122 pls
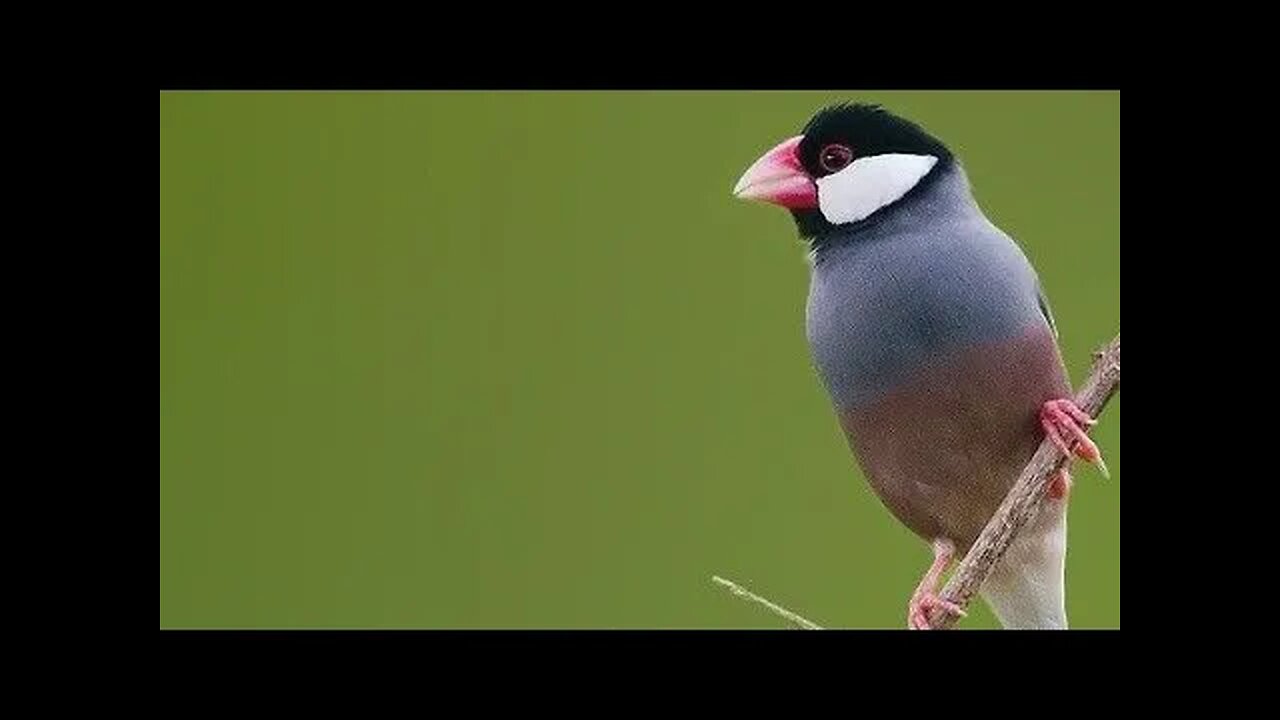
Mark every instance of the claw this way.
pixel 1060 418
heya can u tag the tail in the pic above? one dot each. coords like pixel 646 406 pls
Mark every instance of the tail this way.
pixel 1026 591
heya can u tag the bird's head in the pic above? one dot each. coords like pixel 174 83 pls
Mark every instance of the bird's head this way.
pixel 848 162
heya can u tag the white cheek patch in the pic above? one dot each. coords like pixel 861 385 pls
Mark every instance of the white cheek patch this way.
pixel 869 184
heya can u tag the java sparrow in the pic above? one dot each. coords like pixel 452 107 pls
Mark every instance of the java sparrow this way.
pixel 931 333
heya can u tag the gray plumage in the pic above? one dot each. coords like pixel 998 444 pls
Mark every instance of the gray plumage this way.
pixel 933 337
pixel 929 330
pixel 931 276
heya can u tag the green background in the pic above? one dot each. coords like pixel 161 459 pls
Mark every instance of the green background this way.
pixel 519 360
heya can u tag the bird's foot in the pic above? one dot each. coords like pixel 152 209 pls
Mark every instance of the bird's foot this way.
pixel 1060 484
pixel 1063 421
pixel 925 598
pixel 922 603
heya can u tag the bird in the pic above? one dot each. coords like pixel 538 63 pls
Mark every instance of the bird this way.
pixel 932 335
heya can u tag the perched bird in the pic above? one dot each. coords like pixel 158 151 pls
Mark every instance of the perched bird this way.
pixel 932 335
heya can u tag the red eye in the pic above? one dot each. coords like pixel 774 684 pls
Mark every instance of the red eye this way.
pixel 834 157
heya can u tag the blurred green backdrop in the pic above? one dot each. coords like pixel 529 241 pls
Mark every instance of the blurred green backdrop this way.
pixel 519 360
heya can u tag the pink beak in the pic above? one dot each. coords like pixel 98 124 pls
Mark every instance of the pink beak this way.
pixel 778 178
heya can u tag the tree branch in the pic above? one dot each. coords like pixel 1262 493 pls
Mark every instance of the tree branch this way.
pixel 1023 500
pixel 743 592
pixel 1019 506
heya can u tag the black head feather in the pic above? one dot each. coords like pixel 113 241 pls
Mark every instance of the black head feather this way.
pixel 866 130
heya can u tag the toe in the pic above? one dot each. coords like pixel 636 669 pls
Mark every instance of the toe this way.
pixel 1076 413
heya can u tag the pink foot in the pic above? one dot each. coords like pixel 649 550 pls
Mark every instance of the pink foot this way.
pixel 926 597
pixel 920 605
pixel 1060 484
pixel 1061 419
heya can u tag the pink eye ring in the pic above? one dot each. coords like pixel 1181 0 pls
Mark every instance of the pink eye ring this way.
pixel 835 157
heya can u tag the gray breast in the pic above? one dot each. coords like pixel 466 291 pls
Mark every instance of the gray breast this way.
pixel 907 293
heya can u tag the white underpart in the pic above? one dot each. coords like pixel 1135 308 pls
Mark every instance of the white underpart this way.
pixel 868 184
pixel 1026 589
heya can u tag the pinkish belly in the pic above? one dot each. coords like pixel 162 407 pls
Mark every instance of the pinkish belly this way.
pixel 942 450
